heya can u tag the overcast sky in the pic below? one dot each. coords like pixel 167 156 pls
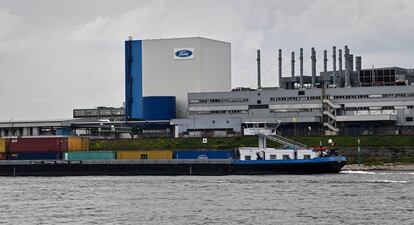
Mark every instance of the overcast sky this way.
pixel 60 55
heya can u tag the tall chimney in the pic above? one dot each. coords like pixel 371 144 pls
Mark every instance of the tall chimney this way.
pixel 340 68
pixel 280 68
pixel 351 68
pixel 301 67
pixel 293 64
pixel 313 58
pixel 347 68
pixel 358 68
pixel 335 78
pixel 325 61
pixel 258 70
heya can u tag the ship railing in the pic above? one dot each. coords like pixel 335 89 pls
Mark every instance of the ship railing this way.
pixel 284 141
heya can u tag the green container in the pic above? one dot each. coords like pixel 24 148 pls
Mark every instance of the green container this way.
pixel 90 155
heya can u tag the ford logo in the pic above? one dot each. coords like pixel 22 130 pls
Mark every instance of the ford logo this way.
pixel 183 53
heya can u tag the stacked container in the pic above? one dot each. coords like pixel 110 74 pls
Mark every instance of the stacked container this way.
pixel 89 155
pixel 43 148
pixel 204 154
pixel 3 148
pixel 145 155
pixel 78 144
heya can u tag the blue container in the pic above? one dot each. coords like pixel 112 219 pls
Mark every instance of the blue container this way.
pixel 158 107
pixel 204 154
pixel 36 156
pixel 63 131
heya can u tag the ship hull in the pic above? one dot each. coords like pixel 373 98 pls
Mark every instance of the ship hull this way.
pixel 170 167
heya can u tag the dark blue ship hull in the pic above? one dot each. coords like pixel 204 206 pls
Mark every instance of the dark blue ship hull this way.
pixel 206 167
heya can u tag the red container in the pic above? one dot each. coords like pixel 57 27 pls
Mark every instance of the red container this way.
pixel 39 144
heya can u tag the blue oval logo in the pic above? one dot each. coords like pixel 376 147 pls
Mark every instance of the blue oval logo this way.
pixel 183 53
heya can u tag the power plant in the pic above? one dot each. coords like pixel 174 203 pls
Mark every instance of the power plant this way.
pixel 181 87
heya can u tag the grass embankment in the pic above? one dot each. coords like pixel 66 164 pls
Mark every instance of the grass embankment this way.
pixel 375 150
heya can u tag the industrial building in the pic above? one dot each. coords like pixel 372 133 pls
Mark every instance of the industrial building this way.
pixel 173 67
pixel 101 113
pixel 181 87
pixel 346 101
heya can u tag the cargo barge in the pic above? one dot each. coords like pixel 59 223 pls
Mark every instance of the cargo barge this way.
pixel 60 160
pixel 211 167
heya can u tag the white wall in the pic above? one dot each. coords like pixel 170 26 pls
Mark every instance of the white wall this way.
pixel 208 71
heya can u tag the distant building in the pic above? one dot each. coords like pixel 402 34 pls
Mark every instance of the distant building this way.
pixel 101 113
pixel 345 111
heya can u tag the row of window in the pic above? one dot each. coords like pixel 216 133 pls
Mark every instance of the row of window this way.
pixel 296 110
pixel 301 98
pixel 219 112
pixel 81 113
pixel 277 99
pixel 287 110
pixel 231 100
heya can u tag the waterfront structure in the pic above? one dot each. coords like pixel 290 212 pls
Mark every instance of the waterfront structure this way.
pixel 339 102
pixel 174 67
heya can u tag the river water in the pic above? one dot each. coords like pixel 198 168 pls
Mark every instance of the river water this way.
pixel 345 198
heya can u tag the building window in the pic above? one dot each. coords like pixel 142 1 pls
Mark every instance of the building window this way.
pixel 144 156
pixel 408 119
pixel 259 102
pixel 272 156
pixel 286 157
pixel 247 157
pixel 213 121
pixel 306 156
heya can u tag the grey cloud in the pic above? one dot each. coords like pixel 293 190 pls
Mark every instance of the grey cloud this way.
pixel 60 55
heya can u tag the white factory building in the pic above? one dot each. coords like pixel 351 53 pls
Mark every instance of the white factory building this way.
pixel 174 67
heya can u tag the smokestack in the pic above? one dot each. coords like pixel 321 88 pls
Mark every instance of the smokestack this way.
pixel 358 68
pixel 347 68
pixel 340 68
pixel 293 64
pixel 351 61
pixel 301 67
pixel 325 61
pixel 335 78
pixel 313 58
pixel 280 68
pixel 258 70
pixel 351 68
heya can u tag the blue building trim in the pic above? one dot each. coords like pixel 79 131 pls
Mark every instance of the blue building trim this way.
pixel 133 80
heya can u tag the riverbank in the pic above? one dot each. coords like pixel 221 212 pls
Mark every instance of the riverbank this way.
pixel 391 142
pixel 384 167
pixel 374 150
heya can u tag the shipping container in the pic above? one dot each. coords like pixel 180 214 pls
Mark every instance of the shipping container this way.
pixel 89 155
pixel 36 156
pixel 3 145
pixel 144 154
pixel 38 144
pixel 203 154
pixel 78 144
pixel 3 156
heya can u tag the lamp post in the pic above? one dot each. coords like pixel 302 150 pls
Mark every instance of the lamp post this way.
pixel 359 150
